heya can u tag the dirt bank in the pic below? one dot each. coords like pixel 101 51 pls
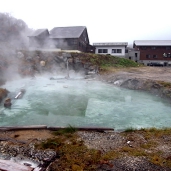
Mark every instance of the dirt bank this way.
pixel 155 80
pixel 150 73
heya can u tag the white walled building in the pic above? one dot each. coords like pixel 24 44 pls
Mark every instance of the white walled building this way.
pixel 113 48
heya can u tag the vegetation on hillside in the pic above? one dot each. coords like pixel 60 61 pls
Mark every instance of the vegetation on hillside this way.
pixel 105 60
pixel 13 32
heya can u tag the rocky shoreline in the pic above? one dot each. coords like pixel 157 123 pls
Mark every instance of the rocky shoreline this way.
pixel 160 85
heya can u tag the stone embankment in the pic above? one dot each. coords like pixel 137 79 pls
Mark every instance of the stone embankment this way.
pixel 38 62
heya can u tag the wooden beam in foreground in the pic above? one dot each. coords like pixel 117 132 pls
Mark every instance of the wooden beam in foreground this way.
pixel 31 127
pixel 84 128
pixel 8 165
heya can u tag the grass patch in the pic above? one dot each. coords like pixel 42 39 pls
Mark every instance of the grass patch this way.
pixel 50 144
pixel 150 144
pixel 68 130
pixel 165 84
pixel 155 133
pixel 74 155
pixel 133 152
pixel 130 129
pixel 112 155
pixel 157 159
pixel 105 61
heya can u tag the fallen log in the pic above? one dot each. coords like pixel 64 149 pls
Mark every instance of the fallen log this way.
pixel 8 165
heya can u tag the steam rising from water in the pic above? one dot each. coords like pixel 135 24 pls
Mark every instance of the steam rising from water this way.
pixel 83 103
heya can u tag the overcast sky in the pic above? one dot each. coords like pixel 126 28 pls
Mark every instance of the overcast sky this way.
pixel 106 20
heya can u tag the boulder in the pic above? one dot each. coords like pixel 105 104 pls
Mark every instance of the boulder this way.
pixel 3 93
pixel 7 103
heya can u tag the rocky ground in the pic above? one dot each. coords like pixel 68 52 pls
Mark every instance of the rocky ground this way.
pixel 134 150
pixel 151 73
pixel 155 80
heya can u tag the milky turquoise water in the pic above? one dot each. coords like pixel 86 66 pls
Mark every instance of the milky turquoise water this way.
pixel 83 103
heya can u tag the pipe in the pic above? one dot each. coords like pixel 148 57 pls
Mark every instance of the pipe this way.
pixel 67 69
pixel 18 95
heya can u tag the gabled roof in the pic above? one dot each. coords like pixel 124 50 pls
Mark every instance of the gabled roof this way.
pixel 152 42
pixel 111 44
pixel 38 32
pixel 67 32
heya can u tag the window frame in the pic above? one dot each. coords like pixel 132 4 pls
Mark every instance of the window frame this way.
pixel 143 47
pixel 148 56
pixel 167 47
pixel 153 47
pixel 154 56
pixel 103 51
pixel 117 51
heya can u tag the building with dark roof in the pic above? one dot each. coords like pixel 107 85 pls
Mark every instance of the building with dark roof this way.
pixel 154 52
pixel 64 38
pixel 39 38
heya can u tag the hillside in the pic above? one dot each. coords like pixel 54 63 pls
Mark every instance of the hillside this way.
pixel 29 63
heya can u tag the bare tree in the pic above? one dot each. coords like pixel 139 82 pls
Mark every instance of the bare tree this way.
pixel 13 36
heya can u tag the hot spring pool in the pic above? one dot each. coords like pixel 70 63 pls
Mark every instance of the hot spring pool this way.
pixel 83 103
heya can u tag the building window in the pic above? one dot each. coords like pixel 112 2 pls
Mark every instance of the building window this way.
pixel 130 57
pixel 154 56
pixel 147 56
pixel 126 50
pixel 119 50
pixel 105 50
pixel 102 50
pixel 168 47
pixel 143 47
pixel 153 47
pixel 136 55
pixel 116 50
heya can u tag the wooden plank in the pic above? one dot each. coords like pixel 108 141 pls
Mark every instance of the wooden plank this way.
pixel 84 128
pixel 8 165
pixel 31 127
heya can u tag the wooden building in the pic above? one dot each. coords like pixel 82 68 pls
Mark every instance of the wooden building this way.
pixel 154 52
pixel 39 38
pixel 64 38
